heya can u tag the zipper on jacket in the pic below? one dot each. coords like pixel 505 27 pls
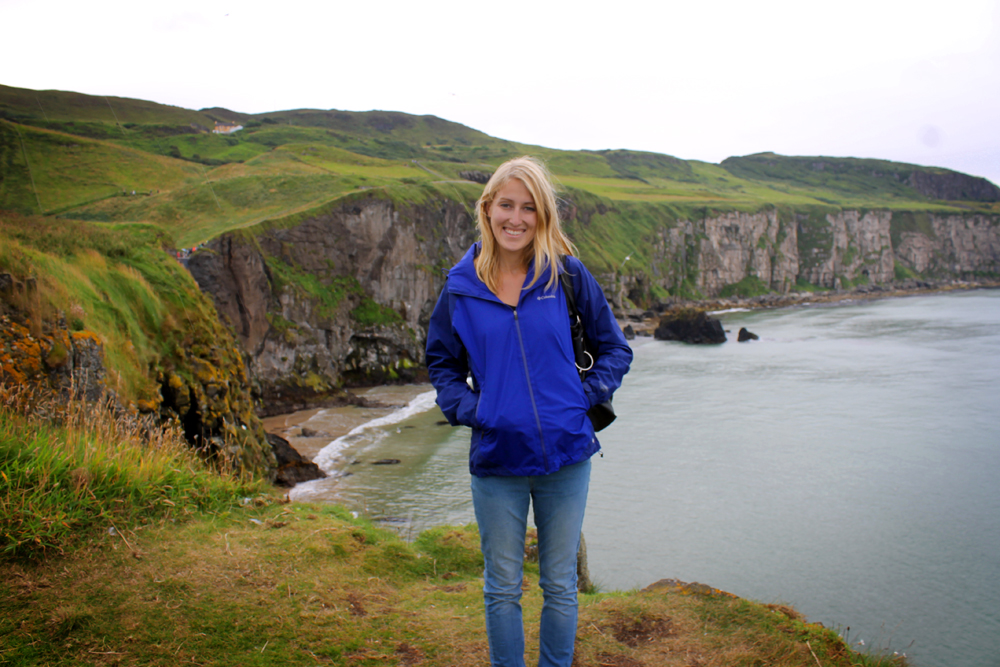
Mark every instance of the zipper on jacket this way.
pixel 531 391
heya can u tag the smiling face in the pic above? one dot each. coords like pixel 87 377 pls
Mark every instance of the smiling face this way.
pixel 513 219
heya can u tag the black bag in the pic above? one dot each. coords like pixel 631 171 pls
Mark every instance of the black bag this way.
pixel 603 414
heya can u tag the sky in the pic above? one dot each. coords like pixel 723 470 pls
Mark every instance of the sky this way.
pixel 910 81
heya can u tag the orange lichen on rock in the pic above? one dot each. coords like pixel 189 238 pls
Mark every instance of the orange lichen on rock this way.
pixel 87 335
pixel 20 353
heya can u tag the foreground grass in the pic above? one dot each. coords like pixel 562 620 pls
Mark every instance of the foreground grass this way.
pixel 86 469
pixel 273 584
pixel 122 548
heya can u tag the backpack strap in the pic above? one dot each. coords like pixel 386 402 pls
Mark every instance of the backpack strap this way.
pixel 584 360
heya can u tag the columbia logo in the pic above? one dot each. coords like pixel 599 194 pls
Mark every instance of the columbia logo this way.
pixel 546 296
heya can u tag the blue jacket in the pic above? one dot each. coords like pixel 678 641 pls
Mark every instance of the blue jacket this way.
pixel 527 407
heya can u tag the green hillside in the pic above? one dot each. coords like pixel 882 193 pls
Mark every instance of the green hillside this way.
pixel 879 179
pixel 82 156
pixel 58 105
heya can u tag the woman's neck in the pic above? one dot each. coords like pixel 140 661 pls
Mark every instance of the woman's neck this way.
pixel 510 281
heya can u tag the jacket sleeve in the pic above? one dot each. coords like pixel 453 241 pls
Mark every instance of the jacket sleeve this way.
pixel 614 356
pixel 448 367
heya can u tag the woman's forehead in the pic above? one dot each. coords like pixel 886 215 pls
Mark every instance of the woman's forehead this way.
pixel 515 190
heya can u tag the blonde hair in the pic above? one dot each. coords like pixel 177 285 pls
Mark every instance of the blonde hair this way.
pixel 549 243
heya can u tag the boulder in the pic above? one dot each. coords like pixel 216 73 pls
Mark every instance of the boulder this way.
pixel 476 176
pixel 292 466
pixel 690 326
pixel 307 432
pixel 745 335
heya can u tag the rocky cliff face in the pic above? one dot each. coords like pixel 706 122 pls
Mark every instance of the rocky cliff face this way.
pixel 846 246
pixel 340 298
pixel 343 297
pixel 831 250
pixel 736 245
pixel 952 245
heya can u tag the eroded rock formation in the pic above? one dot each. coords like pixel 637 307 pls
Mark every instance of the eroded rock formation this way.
pixel 340 298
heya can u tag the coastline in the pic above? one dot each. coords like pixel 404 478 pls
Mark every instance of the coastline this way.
pixel 312 429
pixel 643 322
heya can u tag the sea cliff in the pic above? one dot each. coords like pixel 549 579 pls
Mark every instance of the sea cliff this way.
pixel 342 297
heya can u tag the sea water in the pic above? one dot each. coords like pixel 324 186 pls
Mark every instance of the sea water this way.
pixel 846 463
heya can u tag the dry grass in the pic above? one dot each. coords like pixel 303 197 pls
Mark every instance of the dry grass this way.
pixel 283 584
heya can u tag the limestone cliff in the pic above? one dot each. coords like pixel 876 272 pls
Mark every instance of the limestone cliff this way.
pixel 949 245
pixel 338 298
pixel 342 296
pixel 828 249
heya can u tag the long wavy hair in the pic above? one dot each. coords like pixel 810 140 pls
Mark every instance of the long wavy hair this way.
pixel 549 243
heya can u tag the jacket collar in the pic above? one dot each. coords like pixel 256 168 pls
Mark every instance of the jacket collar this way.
pixel 462 278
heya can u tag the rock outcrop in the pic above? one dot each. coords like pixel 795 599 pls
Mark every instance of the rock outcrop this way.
pixel 339 298
pixel 292 466
pixel 953 186
pixel 690 326
pixel 54 358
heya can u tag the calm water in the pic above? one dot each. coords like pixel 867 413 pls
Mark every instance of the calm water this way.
pixel 847 463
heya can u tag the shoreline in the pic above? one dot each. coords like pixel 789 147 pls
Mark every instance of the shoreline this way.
pixel 643 322
pixel 335 421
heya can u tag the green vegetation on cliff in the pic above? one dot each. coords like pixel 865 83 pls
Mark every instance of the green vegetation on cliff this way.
pixel 163 347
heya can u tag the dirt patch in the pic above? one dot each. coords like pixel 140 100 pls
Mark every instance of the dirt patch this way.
pixel 408 654
pixel 787 611
pixel 456 588
pixel 642 629
pixel 356 604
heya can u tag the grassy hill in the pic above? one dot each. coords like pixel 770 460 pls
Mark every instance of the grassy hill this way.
pixel 69 154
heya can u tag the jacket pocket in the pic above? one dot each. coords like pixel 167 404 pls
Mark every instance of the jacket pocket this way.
pixel 468 409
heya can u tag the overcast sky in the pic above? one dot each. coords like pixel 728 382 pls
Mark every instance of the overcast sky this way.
pixel 912 81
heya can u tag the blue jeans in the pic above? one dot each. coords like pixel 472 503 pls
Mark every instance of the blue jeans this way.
pixel 501 505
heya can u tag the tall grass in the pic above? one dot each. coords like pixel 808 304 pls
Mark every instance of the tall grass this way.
pixel 70 469
pixel 116 281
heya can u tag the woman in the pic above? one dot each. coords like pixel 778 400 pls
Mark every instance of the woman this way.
pixel 502 318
